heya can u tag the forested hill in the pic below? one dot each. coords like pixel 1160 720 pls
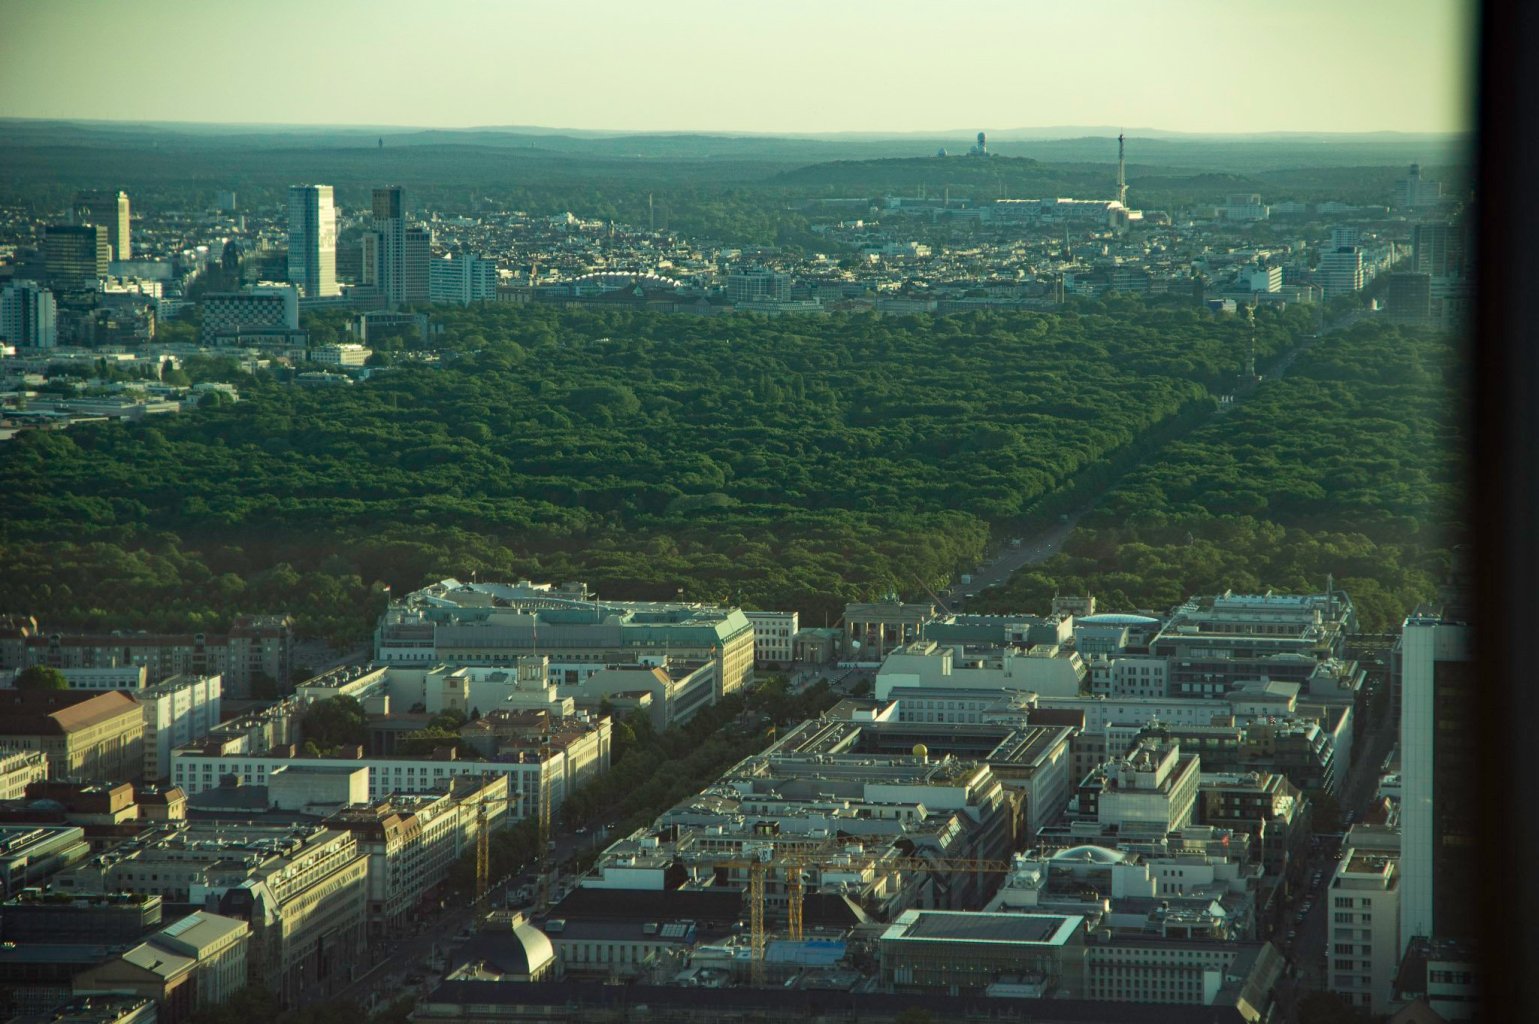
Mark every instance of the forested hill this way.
pixel 781 463
pixel 968 175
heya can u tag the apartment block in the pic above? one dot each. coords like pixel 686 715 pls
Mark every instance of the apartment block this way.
pixel 177 711
pixel 1363 943
pixel 256 647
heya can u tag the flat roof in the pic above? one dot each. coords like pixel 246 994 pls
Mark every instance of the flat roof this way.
pixel 961 926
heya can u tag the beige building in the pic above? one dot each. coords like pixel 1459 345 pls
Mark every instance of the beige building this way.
pixel 88 737
pixel 412 841
pixel 18 770
pixel 303 891
pixel 189 964
pixel 147 971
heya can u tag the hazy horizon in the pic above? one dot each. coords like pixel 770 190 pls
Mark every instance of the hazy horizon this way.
pixel 1189 66
pixel 1044 133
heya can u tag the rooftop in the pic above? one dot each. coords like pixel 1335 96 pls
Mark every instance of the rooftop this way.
pixel 957 926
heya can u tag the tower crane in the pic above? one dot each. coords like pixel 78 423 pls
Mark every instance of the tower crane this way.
pixel 792 865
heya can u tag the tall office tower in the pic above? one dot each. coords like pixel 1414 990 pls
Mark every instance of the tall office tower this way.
pixel 28 316
pixel 108 210
pixel 75 256
pixel 384 264
pixel 1439 702
pixel 313 240
pixel 1122 173
pixel 395 255
pixel 418 257
pixel 1341 271
pixel 1438 249
pixel 1414 191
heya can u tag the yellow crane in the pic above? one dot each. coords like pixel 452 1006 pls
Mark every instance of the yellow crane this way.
pixel 793 864
pixel 483 855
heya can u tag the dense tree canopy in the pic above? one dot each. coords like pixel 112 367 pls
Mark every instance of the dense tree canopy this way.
pixel 339 721
pixel 1351 465
pixel 41 677
pixel 779 463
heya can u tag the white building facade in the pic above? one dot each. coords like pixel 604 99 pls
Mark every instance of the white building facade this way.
pixel 462 279
pixel 773 633
pixel 312 262
pixel 178 711
pixel 1435 656
pixel 1363 945
pixel 28 316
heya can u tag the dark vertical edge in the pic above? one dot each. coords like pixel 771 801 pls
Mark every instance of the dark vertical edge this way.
pixel 1501 477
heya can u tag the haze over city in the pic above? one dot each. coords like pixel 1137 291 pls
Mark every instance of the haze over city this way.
pixel 609 513
pixel 797 66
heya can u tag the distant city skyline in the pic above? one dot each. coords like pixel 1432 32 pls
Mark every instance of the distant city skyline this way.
pixel 1193 66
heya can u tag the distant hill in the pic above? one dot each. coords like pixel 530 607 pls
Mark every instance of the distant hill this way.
pixel 994 177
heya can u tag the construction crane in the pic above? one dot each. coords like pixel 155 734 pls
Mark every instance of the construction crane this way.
pixel 544 883
pixel 792 866
pixel 933 596
pixel 483 855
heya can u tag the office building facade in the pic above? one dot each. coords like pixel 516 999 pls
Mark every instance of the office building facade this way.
pixel 1439 697
pixel 462 279
pixel 111 211
pixel 28 316
pixel 254 315
pixel 312 263
pixel 75 256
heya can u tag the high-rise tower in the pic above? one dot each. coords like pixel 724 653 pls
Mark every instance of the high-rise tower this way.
pixel 1122 177
pixel 313 240
pixel 75 255
pixel 396 256
pixel 109 210
pixel 1440 695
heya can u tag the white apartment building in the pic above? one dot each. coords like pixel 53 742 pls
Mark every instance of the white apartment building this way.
pixel 115 677
pixel 28 316
pixel 413 841
pixel 180 710
pixel 462 279
pixel 773 633
pixel 1245 208
pixel 1151 791
pixel 1363 944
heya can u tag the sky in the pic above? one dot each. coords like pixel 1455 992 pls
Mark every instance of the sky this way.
pixel 771 66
